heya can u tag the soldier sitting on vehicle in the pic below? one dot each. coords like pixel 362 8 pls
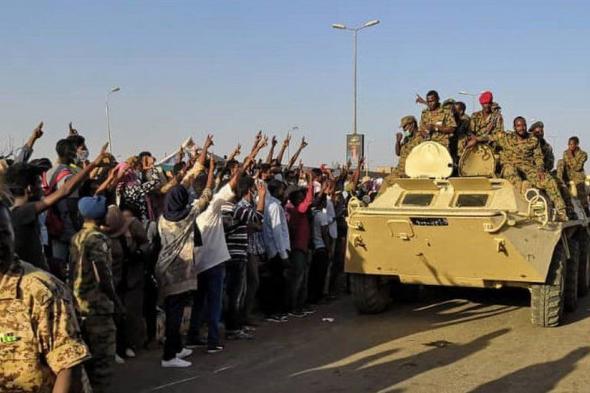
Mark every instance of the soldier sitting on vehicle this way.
pixel 522 159
pixel 574 159
pixel 485 122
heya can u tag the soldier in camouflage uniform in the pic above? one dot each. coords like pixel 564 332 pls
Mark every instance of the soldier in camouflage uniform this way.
pixel 437 121
pixel 485 122
pixel 574 159
pixel 94 292
pixel 41 349
pixel 538 130
pixel 522 159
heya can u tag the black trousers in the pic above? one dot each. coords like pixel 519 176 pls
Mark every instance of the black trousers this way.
pixel 235 288
pixel 317 275
pixel 174 308
pixel 273 290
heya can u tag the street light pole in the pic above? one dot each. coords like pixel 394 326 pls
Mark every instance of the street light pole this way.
pixel 355 31
pixel 113 90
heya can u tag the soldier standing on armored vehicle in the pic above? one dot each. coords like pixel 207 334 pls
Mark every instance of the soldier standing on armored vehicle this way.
pixel 522 159
pixel 574 159
pixel 439 122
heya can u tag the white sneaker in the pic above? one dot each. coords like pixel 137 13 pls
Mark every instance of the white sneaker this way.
pixel 130 353
pixel 175 363
pixel 184 353
pixel 119 359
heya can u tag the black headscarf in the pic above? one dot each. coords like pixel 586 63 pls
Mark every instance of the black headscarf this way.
pixel 176 204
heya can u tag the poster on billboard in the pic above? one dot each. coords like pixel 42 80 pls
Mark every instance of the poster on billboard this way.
pixel 355 148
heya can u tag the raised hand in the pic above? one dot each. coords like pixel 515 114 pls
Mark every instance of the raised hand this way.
pixel 72 130
pixel 303 142
pixel 273 141
pixel 101 155
pixel 38 131
pixel 208 142
pixel 287 140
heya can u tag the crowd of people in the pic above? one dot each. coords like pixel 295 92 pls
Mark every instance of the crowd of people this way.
pixel 94 252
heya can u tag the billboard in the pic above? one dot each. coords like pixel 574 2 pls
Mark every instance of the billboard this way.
pixel 355 148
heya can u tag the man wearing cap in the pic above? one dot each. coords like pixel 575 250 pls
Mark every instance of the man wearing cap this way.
pixel 94 292
pixel 485 122
pixel 437 120
pixel 538 130
pixel 405 142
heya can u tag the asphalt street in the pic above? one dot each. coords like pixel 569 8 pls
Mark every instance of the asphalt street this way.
pixel 449 340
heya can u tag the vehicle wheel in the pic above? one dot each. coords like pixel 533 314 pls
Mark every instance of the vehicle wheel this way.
pixel 371 293
pixel 584 264
pixel 547 299
pixel 571 276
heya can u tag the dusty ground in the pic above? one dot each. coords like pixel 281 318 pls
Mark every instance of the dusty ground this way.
pixel 448 341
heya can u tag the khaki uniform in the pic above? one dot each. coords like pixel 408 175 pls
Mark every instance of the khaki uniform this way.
pixel 574 171
pixel 406 147
pixel 90 247
pixel 39 333
pixel 440 117
pixel 522 159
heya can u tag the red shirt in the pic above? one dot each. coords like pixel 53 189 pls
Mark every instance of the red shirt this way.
pixel 299 229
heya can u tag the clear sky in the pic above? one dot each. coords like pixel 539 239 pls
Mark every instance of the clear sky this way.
pixel 233 67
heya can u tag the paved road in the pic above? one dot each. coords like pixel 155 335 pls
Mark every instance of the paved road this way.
pixel 449 341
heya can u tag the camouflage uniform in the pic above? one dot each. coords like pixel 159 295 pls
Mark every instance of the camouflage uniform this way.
pixel 39 333
pixel 440 117
pixel 407 144
pixel 574 171
pixel 90 247
pixel 523 158
pixel 482 125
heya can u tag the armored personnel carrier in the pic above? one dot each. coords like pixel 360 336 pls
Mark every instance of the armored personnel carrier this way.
pixel 473 230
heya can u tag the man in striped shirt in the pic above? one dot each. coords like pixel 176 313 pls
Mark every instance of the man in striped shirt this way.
pixel 236 219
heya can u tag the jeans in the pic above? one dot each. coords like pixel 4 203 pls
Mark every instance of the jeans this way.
pixel 252 284
pixel 297 284
pixel 174 308
pixel 210 293
pixel 235 282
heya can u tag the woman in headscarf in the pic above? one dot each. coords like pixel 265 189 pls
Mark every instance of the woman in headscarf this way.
pixel 175 269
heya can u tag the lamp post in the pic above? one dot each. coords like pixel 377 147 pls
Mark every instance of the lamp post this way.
pixel 355 31
pixel 354 142
pixel 465 93
pixel 113 90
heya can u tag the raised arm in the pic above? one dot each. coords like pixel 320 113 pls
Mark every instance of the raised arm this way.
pixel 27 149
pixel 271 151
pixel 293 159
pixel 208 143
pixel 283 148
pixel 236 152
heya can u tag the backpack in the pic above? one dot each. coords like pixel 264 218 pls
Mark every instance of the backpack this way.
pixel 53 221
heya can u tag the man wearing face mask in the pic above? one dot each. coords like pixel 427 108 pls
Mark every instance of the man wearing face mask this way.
pixel 24 182
pixel 404 143
pixel 63 221
pixel 38 326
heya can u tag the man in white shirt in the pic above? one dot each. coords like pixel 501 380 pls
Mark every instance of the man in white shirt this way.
pixel 275 232
pixel 210 261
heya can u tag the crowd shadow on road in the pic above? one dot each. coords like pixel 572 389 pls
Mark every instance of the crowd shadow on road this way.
pixel 537 378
